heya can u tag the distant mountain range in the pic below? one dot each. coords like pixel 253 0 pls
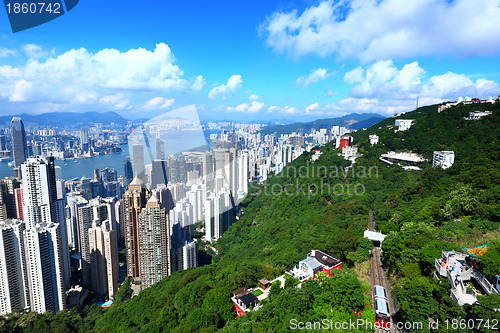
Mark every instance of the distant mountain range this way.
pixel 353 121
pixel 63 119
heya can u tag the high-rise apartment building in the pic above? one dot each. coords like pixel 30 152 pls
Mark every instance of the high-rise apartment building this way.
pixel 243 173
pixel 219 214
pixel 45 267
pixel 41 205
pixel 103 258
pixel 97 210
pixel 14 295
pixel 134 199
pixel 154 243
pixel 8 188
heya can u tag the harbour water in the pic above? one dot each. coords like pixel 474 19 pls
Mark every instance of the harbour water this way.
pixel 80 167
pixel 84 167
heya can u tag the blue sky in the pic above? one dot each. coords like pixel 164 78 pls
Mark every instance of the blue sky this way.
pixel 258 60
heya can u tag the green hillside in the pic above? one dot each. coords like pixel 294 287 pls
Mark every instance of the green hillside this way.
pixel 318 205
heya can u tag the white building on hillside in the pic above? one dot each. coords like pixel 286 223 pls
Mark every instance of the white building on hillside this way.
pixel 443 159
pixel 403 124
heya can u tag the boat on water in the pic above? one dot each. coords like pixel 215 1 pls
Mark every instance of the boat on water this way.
pixel 5 159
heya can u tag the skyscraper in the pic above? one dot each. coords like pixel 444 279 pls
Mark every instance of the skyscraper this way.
pixel 84 136
pixel 19 144
pixel 8 188
pixel 128 172
pixel 138 161
pixel 103 258
pixel 154 243
pixel 159 173
pixel 219 214
pixel 243 173
pixel 44 255
pixel 160 149
pixel 134 199
pixel 42 207
pixel 14 293
pixel 97 211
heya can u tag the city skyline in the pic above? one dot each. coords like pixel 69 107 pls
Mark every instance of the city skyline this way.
pixel 264 61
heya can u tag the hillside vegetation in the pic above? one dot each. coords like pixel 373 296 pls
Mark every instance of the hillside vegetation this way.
pixel 320 206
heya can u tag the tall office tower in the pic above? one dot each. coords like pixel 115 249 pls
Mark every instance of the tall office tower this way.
pixel 58 172
pixel 44 255
pixel 193 177
pixel 128 172
pixel 154 243
pixel 219 158
pixel 138 161
pixel 160 149
pixel 8 187
pixel 97 210
pixel 207 167
pixel 219 214
pixel 186 256
pixel 60 189
pixel 177 191
pixel 134 199
pixel 41 205
pixel 219 181
pixel 14 293
pixel 164 196
pixel 182 169
pixel 231 172
pixel 243 173
pixel 195 198
pixel 74 201
pixel 173 168
pixel 3 143
pixel 19 144
pixel 86 188
pixel 103 258
pixel 84 137
pixel 159 173
pixel 98 180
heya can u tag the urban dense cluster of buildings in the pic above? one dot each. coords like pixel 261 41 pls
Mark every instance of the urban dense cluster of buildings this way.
pixel 17 142
pixel 60 238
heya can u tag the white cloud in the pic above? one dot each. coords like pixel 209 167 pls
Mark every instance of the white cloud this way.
pixel 385 89
pixel 158 103
pixel 285 110
pixel 79 76
pixel 199 83
pixel 253 108
pixel 382 79
pixel 5 52
pixel 387 29
pixel 33 50
pixel 315 76
pixel 253 97
pixel 233 84
pixel 312 107
pixel 117 101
